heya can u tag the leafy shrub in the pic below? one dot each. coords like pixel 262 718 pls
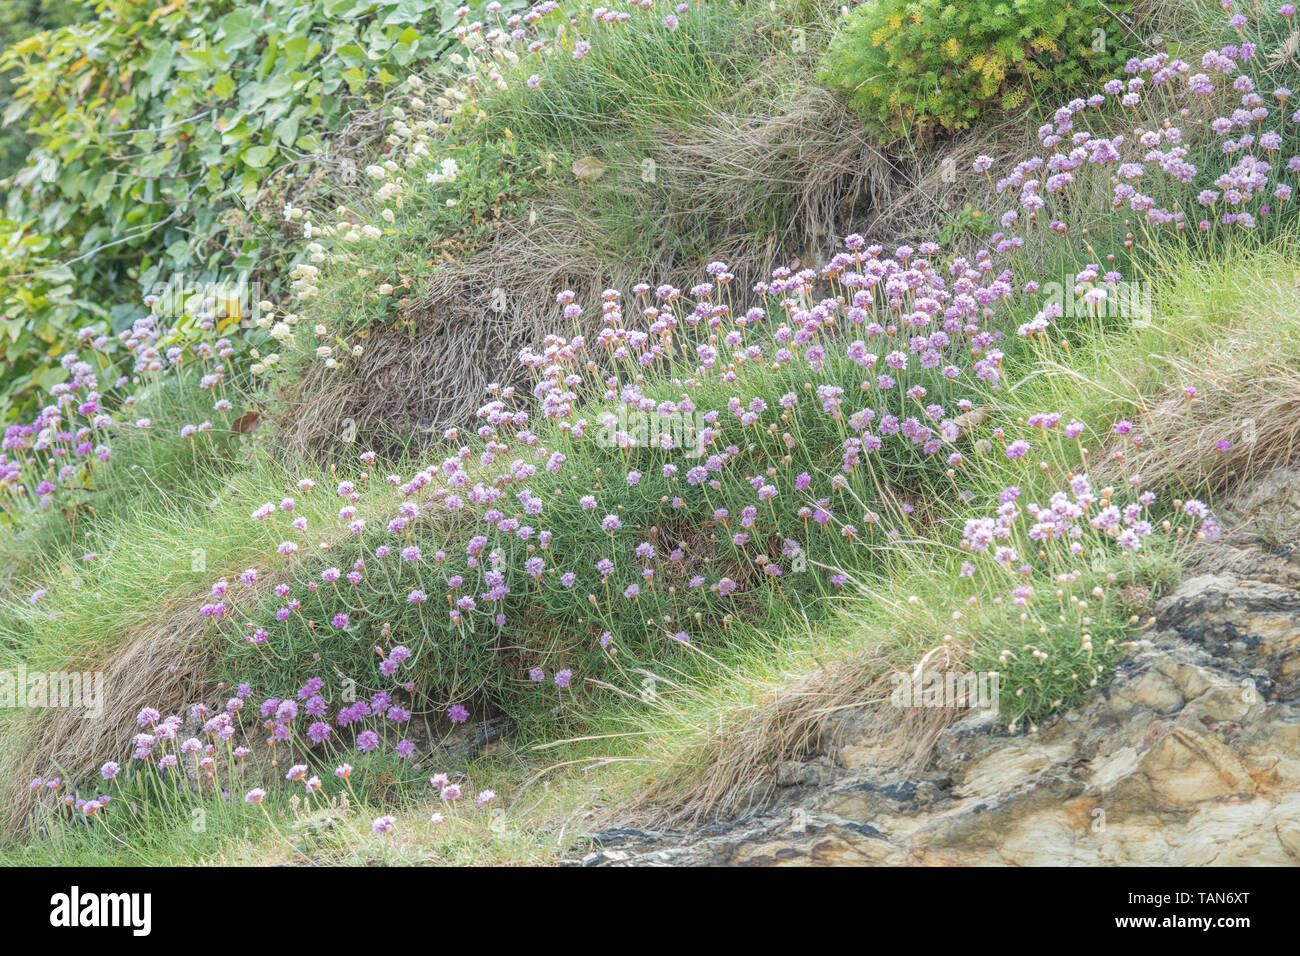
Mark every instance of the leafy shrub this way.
pixel 18 21
pixel 932 66
pixel 157 132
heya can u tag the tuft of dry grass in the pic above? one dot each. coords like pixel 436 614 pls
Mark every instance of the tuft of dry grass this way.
pixel 1248 394
pixel 165 663
pixel 739 768
pixel 732 744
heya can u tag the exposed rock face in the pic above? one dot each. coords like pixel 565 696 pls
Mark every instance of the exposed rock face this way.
pixel 1190 756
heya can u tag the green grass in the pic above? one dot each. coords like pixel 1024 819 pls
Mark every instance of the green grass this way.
pixel 154 835
pixel 700 696
pixel 657 717
pixel 148 825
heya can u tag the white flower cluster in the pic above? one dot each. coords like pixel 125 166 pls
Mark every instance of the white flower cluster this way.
pixel 447 172
pixel 304 276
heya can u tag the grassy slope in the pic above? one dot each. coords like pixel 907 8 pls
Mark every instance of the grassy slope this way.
pixel 631 747
pixel 559 791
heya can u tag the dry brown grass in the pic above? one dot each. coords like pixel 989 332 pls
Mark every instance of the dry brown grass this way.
pixel 164 664
pixel 738 768
pixel 1248 393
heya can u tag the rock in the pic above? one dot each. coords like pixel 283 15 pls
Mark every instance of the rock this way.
pixel 1286 823
pixel 1185 767
pixel 604 856
pixel 802 772
pixel 1153 691
pixel 470 740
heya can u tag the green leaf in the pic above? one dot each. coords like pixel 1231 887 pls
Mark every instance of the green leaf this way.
pixel 237 29
pixel 407 11
pixel 158 67
pixel 286 131
pixel 223 87
pixel 351 54
pixel 256 157
pixel 354 78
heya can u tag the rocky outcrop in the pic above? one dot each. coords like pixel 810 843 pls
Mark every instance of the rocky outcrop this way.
pixel 1190 756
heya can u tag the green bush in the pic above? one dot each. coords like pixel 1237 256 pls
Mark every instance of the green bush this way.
pixel 157 130
pixel 20 19
pixel 931 66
